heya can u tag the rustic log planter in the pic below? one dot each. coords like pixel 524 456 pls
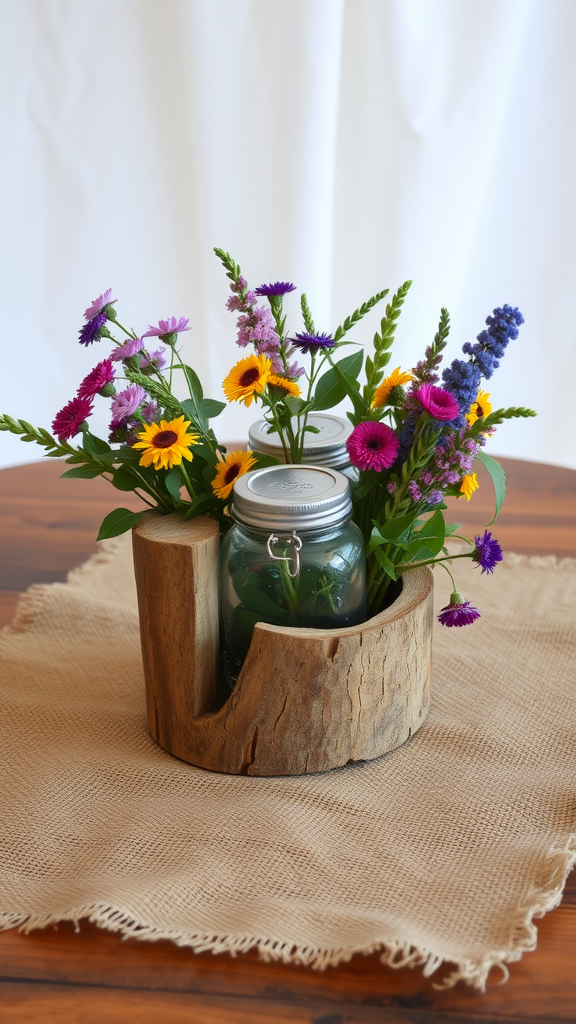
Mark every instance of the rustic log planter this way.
pixel 306 700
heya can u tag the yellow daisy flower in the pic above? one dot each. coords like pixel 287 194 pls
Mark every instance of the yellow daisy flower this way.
pixel 166 444
pixel 289 386
pixel 469 485
pixel 235 464
pixel 393 380
pixel 481 407
pixel 248 378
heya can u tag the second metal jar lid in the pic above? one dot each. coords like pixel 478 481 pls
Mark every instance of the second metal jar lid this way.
pixel 292 498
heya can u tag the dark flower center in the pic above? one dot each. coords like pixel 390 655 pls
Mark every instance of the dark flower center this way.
pixel 165 438
pixel 373 444
pixel 231 473
pixel 249 376
pixel 479 411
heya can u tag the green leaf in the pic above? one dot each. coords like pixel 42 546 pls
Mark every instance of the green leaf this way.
pixel 85 472
pixel 131 456
pixel 331 389
pixel 498 479
pixel 386 564
pixel 173 481
pixel 210 408
pixel 434 527
pixel 124 480
pixel 451 528
pixel 295 405
pixel 264 460
pixel 95 445
pixel 394 528
pixel 194 385
pixel 247 586
pixel 117 522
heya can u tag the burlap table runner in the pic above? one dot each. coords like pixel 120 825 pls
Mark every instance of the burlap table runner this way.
pixel 443 850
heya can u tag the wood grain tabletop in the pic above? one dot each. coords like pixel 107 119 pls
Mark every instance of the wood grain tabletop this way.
pixel 47 527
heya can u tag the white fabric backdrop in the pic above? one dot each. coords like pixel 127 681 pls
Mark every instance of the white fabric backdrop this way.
pixel 342 144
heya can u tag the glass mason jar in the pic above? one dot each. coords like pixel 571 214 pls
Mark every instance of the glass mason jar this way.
pixel 327 447
pixel 293 558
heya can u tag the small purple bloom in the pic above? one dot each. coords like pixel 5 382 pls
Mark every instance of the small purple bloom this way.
pixel 129 348
pixel 458 613
pixel 275 290
pixel 99 304
pixel 92 331
pixel 313 342
pixel 435 497
pixel 125 404
pixel 167 327
pixel 150 411
pixel 487 551
pixel 372 445
pixel 438 402
pixel 68 421
pixel 154 360
pixel 415 492
pixel 97 379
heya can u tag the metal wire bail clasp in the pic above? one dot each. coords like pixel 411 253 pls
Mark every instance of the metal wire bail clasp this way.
pixel 294 540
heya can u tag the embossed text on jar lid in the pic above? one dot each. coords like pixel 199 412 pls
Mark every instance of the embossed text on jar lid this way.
pixel 292 498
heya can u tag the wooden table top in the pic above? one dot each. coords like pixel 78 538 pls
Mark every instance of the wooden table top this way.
pixel 47 527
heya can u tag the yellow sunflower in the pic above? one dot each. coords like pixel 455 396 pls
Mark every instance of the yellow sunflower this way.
pixel 235 464
pixel 289 386
pixel 393 380
pixel 481 407
pixel 165 444
pixel 248 378
pixel 468 485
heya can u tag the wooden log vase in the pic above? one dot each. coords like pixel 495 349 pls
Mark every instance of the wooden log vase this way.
pixel 306 700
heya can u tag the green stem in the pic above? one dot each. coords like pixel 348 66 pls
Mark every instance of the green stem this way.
pixel 187 481
pixel 289 590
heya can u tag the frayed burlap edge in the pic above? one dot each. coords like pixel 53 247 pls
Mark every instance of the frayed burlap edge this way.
pixel 393 954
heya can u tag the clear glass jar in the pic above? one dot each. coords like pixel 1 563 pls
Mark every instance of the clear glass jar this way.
pixel 326 447
pixel 293 558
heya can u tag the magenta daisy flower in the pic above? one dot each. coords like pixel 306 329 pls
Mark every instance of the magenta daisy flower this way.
pixel 97 379
pixel 372 445
pixel 92 331
pixel 129 348
pixel 438 402
pixel 313 342
pixel 487 551
pixel 67 422
pixel 125 404
pixel 99 304
pixel 458 613
pixel 167 328
pixel 275 290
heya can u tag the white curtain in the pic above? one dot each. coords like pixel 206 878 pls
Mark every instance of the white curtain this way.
pixel 345 145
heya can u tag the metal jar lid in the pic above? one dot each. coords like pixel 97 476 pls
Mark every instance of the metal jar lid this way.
pixel 326 448
pixel 292 498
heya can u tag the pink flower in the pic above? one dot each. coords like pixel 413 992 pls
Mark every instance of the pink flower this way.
pixel 97 379
pixel 372 445
pixel 67 422
pixel 458 613
pixel 125 404
pixel 129 348
pixel 98 305
pixel 438 402
pixel 167 327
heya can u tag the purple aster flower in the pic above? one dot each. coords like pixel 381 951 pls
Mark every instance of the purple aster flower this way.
pixel 154 360
pixel 276 290
pixel 439 403
pixel 313 342
pixel 92 331
pixel 167 328
pixel 67 422
pixel 129 348
pixel 487 551
pixel 125 404
pixel 458 613
pixel 372 445
pixel 97 379
pixel 99 304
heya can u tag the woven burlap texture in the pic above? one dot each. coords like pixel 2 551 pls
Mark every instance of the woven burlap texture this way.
pixel 443 850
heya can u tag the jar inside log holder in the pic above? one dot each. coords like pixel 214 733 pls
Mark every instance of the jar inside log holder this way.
pixel 293 558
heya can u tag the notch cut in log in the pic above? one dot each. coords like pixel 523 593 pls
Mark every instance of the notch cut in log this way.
pixel 306 700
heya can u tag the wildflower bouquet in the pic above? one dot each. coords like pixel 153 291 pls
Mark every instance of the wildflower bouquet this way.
pixel 413 442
